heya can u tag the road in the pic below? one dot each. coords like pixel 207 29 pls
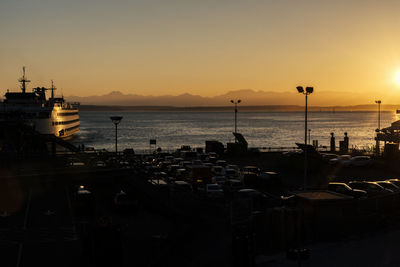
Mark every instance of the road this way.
pixel 373 249
pixel 39 230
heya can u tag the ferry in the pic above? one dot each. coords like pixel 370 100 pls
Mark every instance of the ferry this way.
pixel 52 116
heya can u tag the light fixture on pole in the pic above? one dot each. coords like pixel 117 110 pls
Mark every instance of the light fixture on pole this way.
pixel 306 92
pixel 116 120
pixel 236 110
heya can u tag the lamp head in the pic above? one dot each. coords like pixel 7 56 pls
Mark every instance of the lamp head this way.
pixel 300 89
pixel 239 101
pixel 378 101
pixel 232 101
pixel 309 89
pixel 116 119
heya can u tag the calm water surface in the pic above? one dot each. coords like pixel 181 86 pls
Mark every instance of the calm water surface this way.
pixel 261 129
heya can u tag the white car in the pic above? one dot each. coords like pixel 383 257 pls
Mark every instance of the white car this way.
pixel 340 160
pixel 211 190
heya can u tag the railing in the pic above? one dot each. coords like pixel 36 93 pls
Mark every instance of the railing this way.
pixel 367 150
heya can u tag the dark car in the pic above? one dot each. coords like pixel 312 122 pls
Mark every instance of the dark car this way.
pixel 260 200
pixel 252 169
pixel 394 181
pixel 389 185
pixel 233 185
pixel 125 202
pixel 344 189
pixel 371 188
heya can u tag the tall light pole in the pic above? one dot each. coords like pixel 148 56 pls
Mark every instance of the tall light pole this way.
pixel 236 110
pixel 306 92
pixel 116 120
pixel 379 126
pixel 379 113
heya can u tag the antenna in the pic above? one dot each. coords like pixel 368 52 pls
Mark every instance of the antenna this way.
pixel 23 80
pixel 52 89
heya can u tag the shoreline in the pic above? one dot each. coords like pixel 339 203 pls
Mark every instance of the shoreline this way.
pixel 277 108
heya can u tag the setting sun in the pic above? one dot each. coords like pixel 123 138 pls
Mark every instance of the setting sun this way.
pixel 397 77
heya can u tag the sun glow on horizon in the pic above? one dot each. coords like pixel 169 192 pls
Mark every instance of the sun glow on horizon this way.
pixel 397 77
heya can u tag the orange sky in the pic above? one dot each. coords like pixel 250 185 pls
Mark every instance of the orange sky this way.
pixel 158 47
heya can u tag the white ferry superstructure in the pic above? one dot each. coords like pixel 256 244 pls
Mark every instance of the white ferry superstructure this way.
pixel 47 116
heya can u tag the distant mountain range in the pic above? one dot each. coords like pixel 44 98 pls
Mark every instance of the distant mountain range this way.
pixel 249 98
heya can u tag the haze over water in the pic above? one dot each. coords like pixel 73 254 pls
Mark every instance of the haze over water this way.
pixel 261 129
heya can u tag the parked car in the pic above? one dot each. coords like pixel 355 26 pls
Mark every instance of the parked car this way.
pixel 169 158
pixel 388 185
pixel 259 200
pixel 231 166
pixel 233 185
pixel 185 163
pixel 177 160
pixel 249 179
pixel 124 202
pixel 344 189
pixel 358 161
pixel 197 162
pixel 212 159
pixel 208 164
pixel 100 164
pixel 371 188
pixel 340 160
pixel 328 156
pixel 222 163
pixel 252 169
pixel 211 190
pixel 181 186
pixel 218 170
pixel 394 181
pixel 231 173
pixel 292 153
pixel 221 180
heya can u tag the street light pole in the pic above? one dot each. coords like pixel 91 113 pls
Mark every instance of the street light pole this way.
pixel 379 126
pixel 116 139
pixel 305 123
pixel 236 110
pixel 306 92
pixel 116 120
pixel 379 113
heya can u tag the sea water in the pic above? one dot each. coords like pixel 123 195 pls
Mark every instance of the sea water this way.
pixel 261 129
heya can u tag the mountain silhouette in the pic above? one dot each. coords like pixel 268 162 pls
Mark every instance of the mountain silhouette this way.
pixel 249 97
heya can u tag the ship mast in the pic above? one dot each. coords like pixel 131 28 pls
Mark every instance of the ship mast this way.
pixel 52 89
pixel 23 80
